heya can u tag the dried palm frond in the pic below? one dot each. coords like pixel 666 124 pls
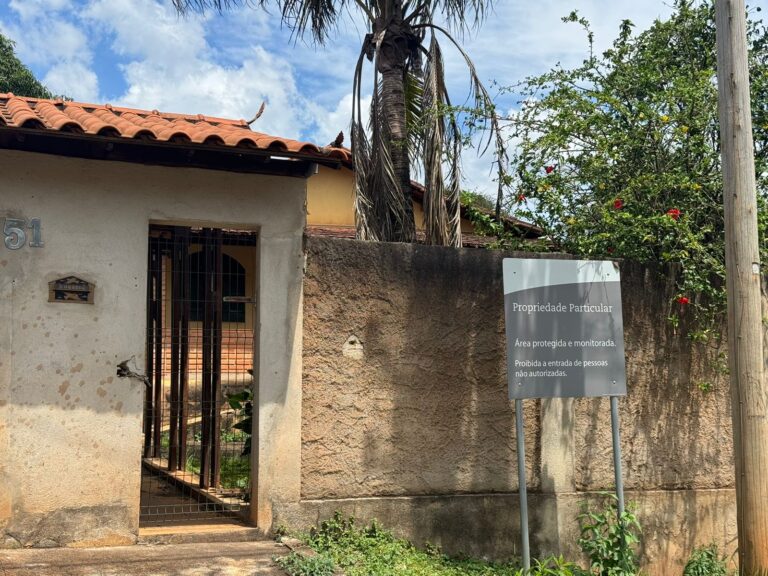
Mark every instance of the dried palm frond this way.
pixel 365 212
pixel 384 186
pixel 435 216
pixel 484 106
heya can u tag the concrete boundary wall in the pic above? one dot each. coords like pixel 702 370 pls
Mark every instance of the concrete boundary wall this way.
pixel 405 416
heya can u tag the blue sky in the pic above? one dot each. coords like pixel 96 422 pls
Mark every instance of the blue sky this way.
pixel 140 53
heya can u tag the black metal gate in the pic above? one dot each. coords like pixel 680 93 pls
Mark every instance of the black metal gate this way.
pixel 200 326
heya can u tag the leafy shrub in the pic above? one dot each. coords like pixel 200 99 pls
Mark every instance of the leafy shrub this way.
pixel 300 565
pixel 706 561
pixel 373 551
pixel 610 541
pixel 554 566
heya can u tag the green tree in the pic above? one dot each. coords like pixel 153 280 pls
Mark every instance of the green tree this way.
pixel 15 77
pixel 620 156
pixel 411 121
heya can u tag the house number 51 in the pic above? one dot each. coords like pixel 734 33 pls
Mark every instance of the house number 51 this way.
pixel 15 233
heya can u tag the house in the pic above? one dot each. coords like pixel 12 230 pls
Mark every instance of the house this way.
pixel 130 236
pixel 151 267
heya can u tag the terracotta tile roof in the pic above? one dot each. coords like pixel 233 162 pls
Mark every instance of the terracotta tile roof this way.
pixel 104 120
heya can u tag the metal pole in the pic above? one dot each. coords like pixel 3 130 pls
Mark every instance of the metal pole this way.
pixel 617 453
pixel 521 482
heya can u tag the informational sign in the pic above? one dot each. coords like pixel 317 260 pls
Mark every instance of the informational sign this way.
pixel 565 334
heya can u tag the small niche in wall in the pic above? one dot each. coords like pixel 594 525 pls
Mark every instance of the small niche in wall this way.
pixel 71 290
pixel 353 348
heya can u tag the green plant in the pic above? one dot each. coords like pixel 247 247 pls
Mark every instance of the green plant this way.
pixel 554 566
pixel 705 386
pixel 619 157
pixel 372 550
pixel 242 403
pixel 706 561
pixel 235 471
pixel 609 540
pixel 300 565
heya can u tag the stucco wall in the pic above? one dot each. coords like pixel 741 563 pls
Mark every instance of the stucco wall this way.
pixel 331 201
pixel 70 430
pixel 413 425
pixel 422 408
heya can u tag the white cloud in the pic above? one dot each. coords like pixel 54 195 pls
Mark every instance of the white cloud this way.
pixel 74 79
pixel 329 123
pixel 46 38
pixel 35 9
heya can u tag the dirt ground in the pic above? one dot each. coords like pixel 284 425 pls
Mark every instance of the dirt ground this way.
pixel 210 559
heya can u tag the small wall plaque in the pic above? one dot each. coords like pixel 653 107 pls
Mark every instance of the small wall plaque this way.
pixel 71 290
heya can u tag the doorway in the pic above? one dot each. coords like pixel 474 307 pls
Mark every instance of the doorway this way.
pixel 201 314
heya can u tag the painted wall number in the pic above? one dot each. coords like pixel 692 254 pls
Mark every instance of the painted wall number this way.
pixel 15 233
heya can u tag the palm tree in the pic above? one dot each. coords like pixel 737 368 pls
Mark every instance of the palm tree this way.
pixel 411 122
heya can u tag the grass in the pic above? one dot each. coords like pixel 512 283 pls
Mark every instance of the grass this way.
pixel 235 470
pixel 373 551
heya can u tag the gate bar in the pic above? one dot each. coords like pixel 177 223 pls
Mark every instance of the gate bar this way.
pixel 158 276
pixel 149 362
pixel 207 380
pixel 216 342
pixel 184 295
pixel 173 428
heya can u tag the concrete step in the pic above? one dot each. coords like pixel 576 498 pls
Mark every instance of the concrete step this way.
pixel 200 559
pixel 219 531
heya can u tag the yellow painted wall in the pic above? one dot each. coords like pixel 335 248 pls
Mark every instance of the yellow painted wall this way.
pixel 331 201
pixel 331 198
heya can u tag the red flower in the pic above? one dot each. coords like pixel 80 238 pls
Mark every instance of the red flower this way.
pixel 674 213
pixel 521 198
pixel 549 169
pixel 609 250
pixel 683 300
pixel 618 203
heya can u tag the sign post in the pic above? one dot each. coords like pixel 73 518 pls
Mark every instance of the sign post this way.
pixel 565 339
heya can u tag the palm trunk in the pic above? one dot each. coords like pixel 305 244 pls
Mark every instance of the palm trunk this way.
pixel 391 60
pixel 393 105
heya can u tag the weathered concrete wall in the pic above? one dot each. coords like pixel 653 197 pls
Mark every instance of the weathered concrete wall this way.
pixel 406 418
pixel 420 405
pixel 70 431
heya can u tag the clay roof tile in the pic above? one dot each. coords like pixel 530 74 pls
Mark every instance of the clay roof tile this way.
pixel 107 121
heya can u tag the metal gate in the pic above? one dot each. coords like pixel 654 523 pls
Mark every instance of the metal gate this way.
pixel 200 324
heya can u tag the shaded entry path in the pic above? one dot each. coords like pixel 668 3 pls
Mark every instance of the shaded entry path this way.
pixel 210 559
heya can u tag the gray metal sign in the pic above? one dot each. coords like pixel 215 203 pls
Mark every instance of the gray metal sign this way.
pixel 565 334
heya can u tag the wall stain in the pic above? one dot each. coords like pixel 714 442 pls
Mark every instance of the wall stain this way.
pixel 63 387
pixel 101 392
pixel 77 368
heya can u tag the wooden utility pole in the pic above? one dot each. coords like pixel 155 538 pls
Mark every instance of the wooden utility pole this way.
pixel 749 390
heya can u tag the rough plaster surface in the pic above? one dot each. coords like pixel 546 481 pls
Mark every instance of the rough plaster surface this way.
pixel 405 416
pixel 70 430
pixel 420 406
pixel 674 435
